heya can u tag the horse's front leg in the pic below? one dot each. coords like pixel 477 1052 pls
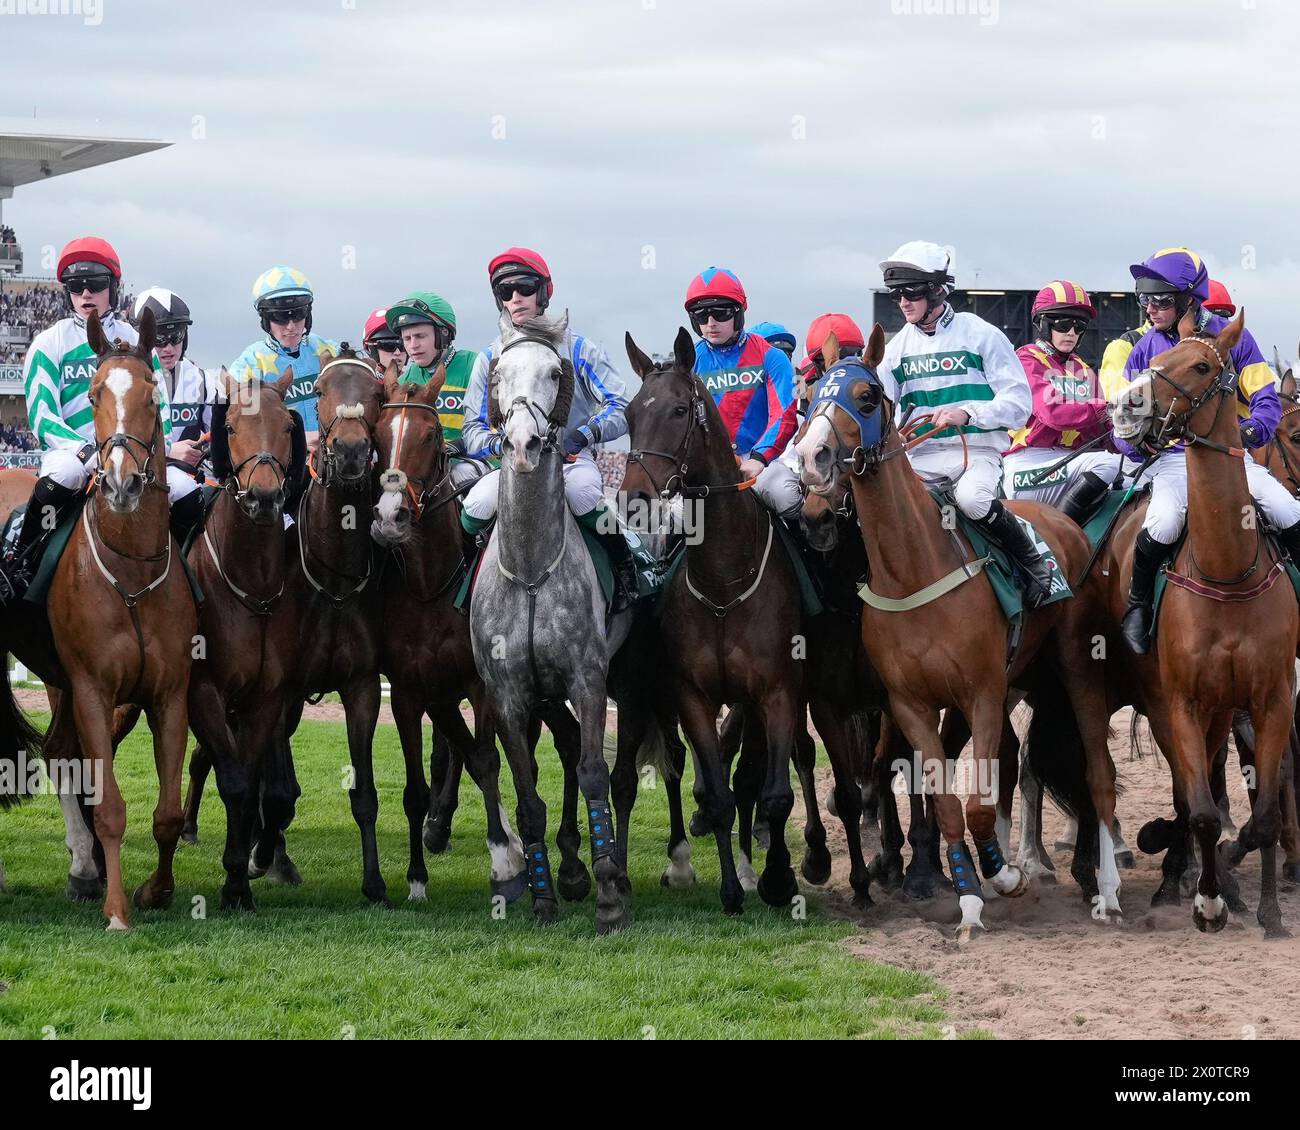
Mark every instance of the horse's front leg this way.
pixel 200 767
pixel 513 719
pixel 816 864
pixel 779 715
pixel 1189 760
pixel 408 716
pixel 361 700
pixel 446 764
pixel 984 806
pixel 837 734
pixel 613 891
pixel 62 754
pixel 1272 737
pixel 699 719
pixel 573 881
pixel 93 713
pixel 169 721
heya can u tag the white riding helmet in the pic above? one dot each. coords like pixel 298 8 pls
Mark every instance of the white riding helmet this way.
pixel 918 262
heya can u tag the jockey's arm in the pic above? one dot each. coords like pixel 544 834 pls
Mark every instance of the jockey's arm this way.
pixel 45 403
pixel 603 389
pixel 480 441
pixel 778 387
pixel 1012 400
pixel 1257 382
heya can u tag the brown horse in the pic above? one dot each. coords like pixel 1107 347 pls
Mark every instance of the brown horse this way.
pixel 946 649
pixel 731 618
pixel 1210 661
pixel 119 625
pixel 426 651
pixel 250 632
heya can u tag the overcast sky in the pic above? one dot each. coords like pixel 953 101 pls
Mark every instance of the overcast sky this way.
pixel 383 146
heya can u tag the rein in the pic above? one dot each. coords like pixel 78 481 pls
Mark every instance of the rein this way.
pixel 259 606
pixel 340 600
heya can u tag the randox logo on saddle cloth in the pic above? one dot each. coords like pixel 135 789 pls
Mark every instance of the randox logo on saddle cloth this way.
pixel 834 388
pixel 729 380
pixel 1030 479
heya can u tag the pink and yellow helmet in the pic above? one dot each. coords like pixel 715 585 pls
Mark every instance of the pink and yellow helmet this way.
pixel 1061 295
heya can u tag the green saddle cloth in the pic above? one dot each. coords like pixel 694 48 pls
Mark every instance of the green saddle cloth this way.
pixel 39 590
pixel 1002 574
pixel 1097 525
pixel 810 591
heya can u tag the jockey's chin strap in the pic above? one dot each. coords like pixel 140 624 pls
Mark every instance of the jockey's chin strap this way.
pixel 697 420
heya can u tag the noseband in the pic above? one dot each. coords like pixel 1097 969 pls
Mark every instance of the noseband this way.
pixel 1177 427
pixel 124 440
pixel 324 452
pixel 395 480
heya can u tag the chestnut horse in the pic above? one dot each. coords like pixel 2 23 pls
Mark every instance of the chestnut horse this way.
pixel 947 649
pixel 426 651
pixel 119 625
pixel 731 618
pixel 1211 660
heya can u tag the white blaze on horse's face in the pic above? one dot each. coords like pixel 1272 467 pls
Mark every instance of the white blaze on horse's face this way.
pixel 816 440
pixel 118 382
pixel 1133 407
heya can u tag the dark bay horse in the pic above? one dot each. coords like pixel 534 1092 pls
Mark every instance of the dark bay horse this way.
pixel 731 619
pixel 537 616
pixel 949 651
pixel 250 632
pixel 119 627
pixel 1211 660
pixel 426 651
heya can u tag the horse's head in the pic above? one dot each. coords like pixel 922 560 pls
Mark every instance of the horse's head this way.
pixel 411 451
pixel 530 388
pixel 258 446
pixel 667 420
pixel 349 407
pixel 128 428
pixel 848 417
pixel 1187 382
pixel 1282 454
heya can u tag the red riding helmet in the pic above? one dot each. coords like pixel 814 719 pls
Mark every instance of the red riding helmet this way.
pixel 90 249
pixel 846 330
pixel 516 261
pixel 1220 301
pixel 716 283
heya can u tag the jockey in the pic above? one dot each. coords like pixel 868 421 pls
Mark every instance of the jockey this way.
pixel 426 324
pixel 813 367
pixel 1169 284
pixel 191 393
pixel 965 373
pixel 59 367
pixel 1220 301
pixel 776 334
pixel 381 344
pixel 522 286
pixel 1115 357
pixel 1069 409
pixel 282 297
pixel 752 383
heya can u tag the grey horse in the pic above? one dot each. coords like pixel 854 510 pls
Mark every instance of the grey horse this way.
pixel 537 617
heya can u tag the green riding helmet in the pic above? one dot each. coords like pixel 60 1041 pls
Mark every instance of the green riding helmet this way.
pixel 423 307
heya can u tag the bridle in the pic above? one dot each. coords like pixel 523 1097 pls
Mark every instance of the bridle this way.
pixel 237 490
pixel 547 424
pixel 696 421
pixel 394 479
pixel 328 460
pixel 1292 474
pixel 1178 427
pixel 124 440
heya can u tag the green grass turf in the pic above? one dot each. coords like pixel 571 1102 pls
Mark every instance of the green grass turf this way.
pixel 319 962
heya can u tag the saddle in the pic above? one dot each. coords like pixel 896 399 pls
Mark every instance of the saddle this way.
pixel 51 549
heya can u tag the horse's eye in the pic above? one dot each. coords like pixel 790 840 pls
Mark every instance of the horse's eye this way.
pixel 230 429
pixel 1295 437
pixel 680 410
pixel 1202 367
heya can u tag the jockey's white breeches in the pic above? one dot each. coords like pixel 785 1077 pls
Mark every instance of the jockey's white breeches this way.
pixel 1104 464
pixel 1167 512
pixel 975 477
pixel 583 487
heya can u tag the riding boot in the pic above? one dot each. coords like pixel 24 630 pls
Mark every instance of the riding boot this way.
pixel 1081 497
pixel 1001 525
pixel 45 511
pixel 1148 555
pixel 186 515
pixel 1290 539
pixel 601 522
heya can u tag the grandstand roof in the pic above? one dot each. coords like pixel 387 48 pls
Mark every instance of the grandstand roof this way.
pixel 29 157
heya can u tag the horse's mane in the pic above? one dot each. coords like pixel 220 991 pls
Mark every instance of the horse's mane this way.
pixel 552 330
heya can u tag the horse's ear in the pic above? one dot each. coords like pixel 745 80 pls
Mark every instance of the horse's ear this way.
pixel 684 350
pixel 323 358
pixel 505 327
pixel 429 394
pixel 830 350
pixel 641 364
pixel 875 351
pixel 392 376
pixel 1187 325
pixel 226 383
pixel 285 383
pixel 562 325
pixel 1287 387
pixel 148 336
pixel 95 336
pixel 1231 333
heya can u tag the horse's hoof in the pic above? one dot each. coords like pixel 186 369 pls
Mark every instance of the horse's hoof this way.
pixel 117 925
pixel 1125 860
pixel 437 836
pixel 1291 872
pixel 190 836
pixel 1273 929
pixel 887 870
pixel 574 885
pixel 282 870
pixel 417 891
pixel 1156 836
pixel 816 865
pixel 1167 894
pixel 699 825
pixel 1209 914
pixel 377 895
pixel 1016 884
pixel 1036 870
pixel 546 912
pixel 511 889
pixel 238 900
pixel 746 874
pixel 967 932
pixel 920 885
pixel 862 900
pixel 678 878
pixel 144 898
pixel 777 889
pixel 254 870
pixel 83 889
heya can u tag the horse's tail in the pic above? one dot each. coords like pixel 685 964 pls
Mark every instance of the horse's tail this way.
pixel 658 747
pixel 19 739
pixel 1054 747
